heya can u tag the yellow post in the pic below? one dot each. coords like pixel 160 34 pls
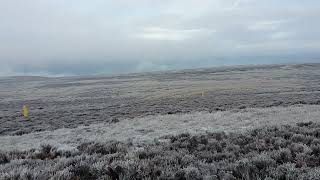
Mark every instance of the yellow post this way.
pixel 25 111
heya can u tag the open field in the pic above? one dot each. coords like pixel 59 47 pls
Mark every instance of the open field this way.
pixel 245 122
pixel 144 130
pixel 72 101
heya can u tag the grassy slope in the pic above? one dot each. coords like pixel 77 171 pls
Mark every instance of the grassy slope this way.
pixel 70 102
pixel 144 130
pixel 79 116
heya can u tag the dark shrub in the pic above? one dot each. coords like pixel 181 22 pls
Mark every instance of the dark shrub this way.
pixel 315 141
pixel 46 152
pixel 301 160
pixel 315 149
pixel 206 156
pixel 303 124
pixel 180 137
pixel 192 173
pixel 180 175
pixel 223 176
pixel 281 143
pixel 283 156
pixel 222 156
pixel 286 134
pixel 82 172
pixel 146 154
pixel 114 120
pixel 203 140
pixel 3 158
pixel 98 148
pixel 286 171
pixel 316 133
pixel 114 174
pixel 244 169
pixel 298 138
pixel 263 162
pixel 219 135
pixel 296 148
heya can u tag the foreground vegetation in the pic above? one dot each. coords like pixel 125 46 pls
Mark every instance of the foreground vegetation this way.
pixel 278 152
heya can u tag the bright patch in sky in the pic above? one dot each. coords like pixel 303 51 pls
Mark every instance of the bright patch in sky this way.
pixel 155 33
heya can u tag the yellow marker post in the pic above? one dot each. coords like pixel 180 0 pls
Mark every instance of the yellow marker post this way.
pixel 25 111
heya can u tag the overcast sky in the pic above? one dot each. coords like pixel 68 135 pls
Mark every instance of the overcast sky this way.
pixel 70 37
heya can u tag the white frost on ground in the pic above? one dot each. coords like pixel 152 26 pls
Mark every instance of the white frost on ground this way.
pixel 146 129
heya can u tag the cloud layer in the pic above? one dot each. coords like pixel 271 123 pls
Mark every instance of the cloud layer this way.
pixel 126 36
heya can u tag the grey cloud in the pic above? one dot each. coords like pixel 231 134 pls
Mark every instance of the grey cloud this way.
pixel 63 37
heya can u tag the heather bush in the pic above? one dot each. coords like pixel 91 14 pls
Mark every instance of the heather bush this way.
pixel 46 152
pixel 3 158
pixel 108 148
pixel 283 152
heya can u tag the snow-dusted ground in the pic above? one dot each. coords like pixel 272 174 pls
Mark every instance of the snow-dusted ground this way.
pixel 70 102
pixel 146 129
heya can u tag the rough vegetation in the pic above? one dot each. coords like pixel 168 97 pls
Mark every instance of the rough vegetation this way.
pixel 73 101
pixel 148 128
pixel 86 112
pixel 275 152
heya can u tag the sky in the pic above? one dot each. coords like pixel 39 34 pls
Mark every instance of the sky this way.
pixel 78 37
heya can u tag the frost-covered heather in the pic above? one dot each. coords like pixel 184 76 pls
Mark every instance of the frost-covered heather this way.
pixel 144 130
pixel 219 123
pixel 74 101
pixel 277 152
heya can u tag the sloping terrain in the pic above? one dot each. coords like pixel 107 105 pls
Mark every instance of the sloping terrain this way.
pixel 245 122
pixel 144 130
pixel 73 101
